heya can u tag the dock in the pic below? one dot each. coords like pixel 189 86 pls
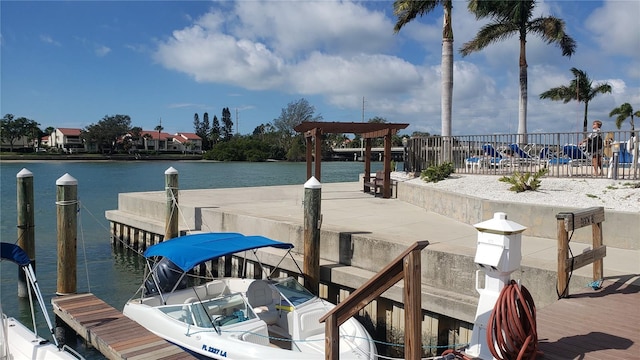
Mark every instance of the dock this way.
pixel 110 332
pixel 361 233
pixel 592 325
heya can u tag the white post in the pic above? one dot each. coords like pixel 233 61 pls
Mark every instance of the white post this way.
pixel 498 255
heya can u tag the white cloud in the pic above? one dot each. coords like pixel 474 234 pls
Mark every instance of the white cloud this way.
pixel 616 27
pixel 342 51
pixel 47 39
pixel 102 50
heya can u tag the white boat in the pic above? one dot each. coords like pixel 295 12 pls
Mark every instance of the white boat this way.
pixel 18 342
pixel 235 318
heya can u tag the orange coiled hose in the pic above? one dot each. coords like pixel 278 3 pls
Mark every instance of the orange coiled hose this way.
pixel 512 325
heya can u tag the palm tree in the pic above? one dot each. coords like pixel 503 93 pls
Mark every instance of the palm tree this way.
pixel 515 17
pixel 580 89
pixel 158 128
pixel 624 111
pixel 407 10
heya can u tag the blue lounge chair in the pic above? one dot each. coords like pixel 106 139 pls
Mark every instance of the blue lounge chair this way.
pixel 491 158
pixel 572 156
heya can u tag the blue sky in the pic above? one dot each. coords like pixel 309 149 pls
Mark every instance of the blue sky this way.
pixel 70 63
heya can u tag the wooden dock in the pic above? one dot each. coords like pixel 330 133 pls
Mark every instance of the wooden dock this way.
pixel 110 332
pixel 594 324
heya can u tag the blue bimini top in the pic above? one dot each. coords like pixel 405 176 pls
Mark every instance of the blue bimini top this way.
pixel 190 250
pixel 14 253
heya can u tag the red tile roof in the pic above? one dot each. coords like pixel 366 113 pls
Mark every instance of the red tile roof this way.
pixel 69 131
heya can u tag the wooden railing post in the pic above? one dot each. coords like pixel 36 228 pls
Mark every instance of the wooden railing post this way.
pixel 568 222
pixel 407 265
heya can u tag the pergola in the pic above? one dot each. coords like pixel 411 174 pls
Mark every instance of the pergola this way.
pixel 312 130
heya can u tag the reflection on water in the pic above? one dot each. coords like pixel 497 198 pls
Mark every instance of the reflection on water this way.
pixel 115 277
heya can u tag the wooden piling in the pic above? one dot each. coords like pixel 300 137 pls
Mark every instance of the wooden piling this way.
pixel 171 219
pixel 67 228
pixel 312 223
pixel 26 224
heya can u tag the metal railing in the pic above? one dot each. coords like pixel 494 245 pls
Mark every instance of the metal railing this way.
pixel 563 154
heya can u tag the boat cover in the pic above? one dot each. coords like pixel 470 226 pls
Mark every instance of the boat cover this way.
pixel 14 253
pixel 190 250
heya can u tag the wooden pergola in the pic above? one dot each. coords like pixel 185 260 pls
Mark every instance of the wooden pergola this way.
pixel 314 129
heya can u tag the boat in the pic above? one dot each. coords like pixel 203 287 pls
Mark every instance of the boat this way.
pixel 17 341
pixel 235 317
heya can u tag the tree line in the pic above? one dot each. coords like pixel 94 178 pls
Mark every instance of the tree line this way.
pixel 274 140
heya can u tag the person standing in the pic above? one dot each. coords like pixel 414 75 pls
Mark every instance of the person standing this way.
pixel 594 147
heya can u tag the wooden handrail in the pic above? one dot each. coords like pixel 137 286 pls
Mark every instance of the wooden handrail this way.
pixel 406 265
pixel 568 222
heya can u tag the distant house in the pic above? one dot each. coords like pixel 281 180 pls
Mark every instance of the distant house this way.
pixel 156 141
pixel 189 142
pixel 67 140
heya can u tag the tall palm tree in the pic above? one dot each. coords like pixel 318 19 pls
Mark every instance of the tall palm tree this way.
pixel 581 89
pixel 159 129
pixel 407 10
pixel 515 17
pixel 624 111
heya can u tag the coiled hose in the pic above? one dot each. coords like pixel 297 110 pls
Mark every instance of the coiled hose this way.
pixel 512 327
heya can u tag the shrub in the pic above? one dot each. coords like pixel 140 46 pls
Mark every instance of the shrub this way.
pixel 524 181
pixel 435 173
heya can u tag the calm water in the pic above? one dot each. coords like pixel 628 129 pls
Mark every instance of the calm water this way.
pixel 115 277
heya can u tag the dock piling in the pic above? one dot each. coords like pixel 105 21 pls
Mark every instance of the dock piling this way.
pixel 312 223
pixel 26 224
pixel 67 229
pixel 171 187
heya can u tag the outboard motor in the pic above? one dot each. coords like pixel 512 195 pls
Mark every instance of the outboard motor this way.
pixel 166 274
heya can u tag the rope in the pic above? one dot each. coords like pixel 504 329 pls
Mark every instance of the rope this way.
pixel 512 325
pixel 84 248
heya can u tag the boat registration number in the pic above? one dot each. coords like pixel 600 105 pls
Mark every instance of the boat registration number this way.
pixel 213 350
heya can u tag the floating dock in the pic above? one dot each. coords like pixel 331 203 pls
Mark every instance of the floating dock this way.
pixel 110 332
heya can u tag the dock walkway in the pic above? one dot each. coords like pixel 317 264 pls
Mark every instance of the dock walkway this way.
pixel 110 332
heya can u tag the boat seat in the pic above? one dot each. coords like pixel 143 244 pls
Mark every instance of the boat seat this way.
pixel 260 296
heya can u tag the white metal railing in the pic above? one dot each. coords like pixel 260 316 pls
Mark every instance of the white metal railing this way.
pixel 563 154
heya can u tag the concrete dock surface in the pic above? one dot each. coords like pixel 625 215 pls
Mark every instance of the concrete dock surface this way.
pixel 345 207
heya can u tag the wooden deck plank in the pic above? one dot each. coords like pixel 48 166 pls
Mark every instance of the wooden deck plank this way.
pixel 594 324
pixel 110 332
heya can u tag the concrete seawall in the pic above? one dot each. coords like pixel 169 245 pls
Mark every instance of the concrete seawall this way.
pixel 540 220
pixel 361 234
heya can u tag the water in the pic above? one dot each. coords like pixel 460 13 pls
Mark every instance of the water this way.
pixel 115 277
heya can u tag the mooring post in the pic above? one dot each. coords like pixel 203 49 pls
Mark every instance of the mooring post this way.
pixel 67 226
pixel 312 223
pixel 171 219
pixel 26 225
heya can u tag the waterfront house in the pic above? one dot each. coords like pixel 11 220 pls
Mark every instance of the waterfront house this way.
pixel 188 142
pixel 67 140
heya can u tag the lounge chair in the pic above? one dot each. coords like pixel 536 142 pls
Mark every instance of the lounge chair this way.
pixel 491 158
pixel 571 155
pixel 518 157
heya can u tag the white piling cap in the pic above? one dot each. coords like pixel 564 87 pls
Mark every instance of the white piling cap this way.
pixel 500 224
pixel 312 183
pixel 66 179
pixel 24 173
pixel 171 171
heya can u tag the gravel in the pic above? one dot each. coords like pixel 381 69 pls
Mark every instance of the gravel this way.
pixel 618 195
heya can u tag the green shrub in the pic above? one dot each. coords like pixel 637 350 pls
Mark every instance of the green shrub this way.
pixel 435 173
pixel 524 181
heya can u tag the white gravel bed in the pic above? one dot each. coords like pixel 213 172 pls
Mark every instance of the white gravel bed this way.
pixel 619 195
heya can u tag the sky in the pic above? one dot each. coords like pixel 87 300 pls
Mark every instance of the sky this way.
pixel 68 64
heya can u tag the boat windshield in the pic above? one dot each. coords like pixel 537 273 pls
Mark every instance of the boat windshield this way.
pixel 221 311
pixel 293 291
